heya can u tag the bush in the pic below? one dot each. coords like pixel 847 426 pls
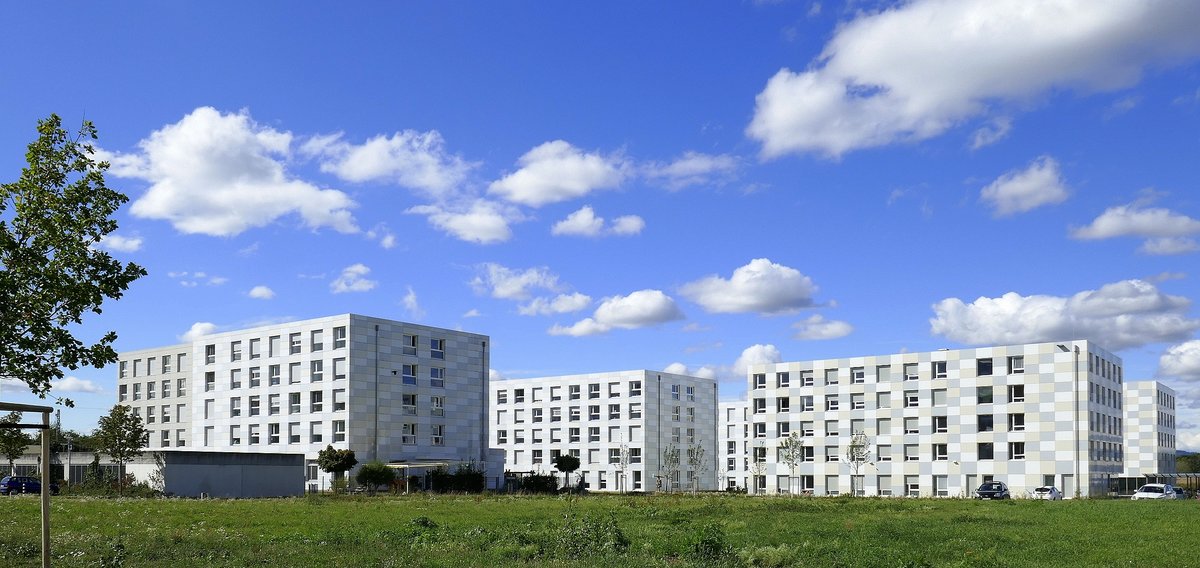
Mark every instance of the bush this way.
pixel 373 474
pixel 538 483
pixel 708 543
pixel 466 479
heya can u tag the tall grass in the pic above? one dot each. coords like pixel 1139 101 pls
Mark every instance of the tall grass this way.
pixel 600 530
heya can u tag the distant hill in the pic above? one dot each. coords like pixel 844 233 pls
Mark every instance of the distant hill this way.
pixel 1181 453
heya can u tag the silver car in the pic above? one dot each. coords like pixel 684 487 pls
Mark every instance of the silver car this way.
pixel 1048 492
pixel 1154 491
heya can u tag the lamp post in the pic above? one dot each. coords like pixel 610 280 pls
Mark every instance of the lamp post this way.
pixel 1075 426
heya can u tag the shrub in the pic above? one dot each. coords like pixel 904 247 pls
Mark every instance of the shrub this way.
pixel 708 543
pixel 375 473
pixel 538 483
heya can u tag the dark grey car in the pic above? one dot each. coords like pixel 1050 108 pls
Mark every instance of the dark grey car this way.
pixel 992 490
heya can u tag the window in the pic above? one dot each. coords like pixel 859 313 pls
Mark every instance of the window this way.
pixel 339 399
pixel 1016 422
pixel 235 351
pixel 594 412
pixel 940 424
pixel 210 357
pixel 614 455
pixel 831 402
pixel 573 392
pixel 912 425
pixel 985 451
pixel 316 401
pixel 760 380
pixel 273 347
pixel 235 435
pixel 783 404
pixel 635 388
pixel 911 399
pixel 179 441
pixel 831 427
pixel 594 433
pixel 594 390
pixel 254 432
pixel 1016 450
pixel 149 415
pixel 760 405
pixel 409 344
pixel 910 372
pixel 635 455
pixel 883 426
pixel 806 403
pixel 537 414
pixel 760 430
pixel 408 434
pixel 858 401
pixel 939 397
pixel 124 390
pixel 1016 365
pixel 518 436
pixel 210 384
pixel 783 429
pixel 783 380
pixel 437 348
pixel 831 453
pixel 437 406
pixel 437 377
pixel 255 377
pixel 408 376
pixel 235 379
pixel 137 390
pixel 983 367
pixel 1016 393
pixel 294 403
pixel 502 397
pixel 573 435
pixel 518 395
pixel 883 453
pixel 831 376
pixel 635 410
pixel 123 370
pixel 166 364
pixel 940 453
pixel 614 390
pixel 235 407
pixel 314 432
pixel 293 373
pixel 272 404
pixel 938 369
pixel 150 390
pixel 273 375
pixel 910 453
pixel 858 375
pixel 339 369
pixel 806 428
pixel 691 394
pixel 574 414
pixel 316 371
pixel 502 436
pixel 408 404
pixel 883 400
pixel 316 340
pixel 983 395
pixel 293 432
pixel 339 430
pixel 438 434
pixel 339 340
pixel 255 348
pixel 180 387
pixel 614 412
pixel 985 423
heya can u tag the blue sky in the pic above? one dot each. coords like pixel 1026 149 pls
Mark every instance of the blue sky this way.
pixel 693 186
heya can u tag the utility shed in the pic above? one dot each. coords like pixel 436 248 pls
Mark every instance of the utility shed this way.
pixel 232 474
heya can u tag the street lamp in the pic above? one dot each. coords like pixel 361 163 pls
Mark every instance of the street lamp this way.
pixel 1075 427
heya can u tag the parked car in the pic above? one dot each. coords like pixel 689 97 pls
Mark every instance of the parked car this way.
pixel 993 490
pixel 13 484
pixel 1154 491
pixel 1048 492
pixel 1180 493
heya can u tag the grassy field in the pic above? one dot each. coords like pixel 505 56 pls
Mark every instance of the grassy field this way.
pixel 601 530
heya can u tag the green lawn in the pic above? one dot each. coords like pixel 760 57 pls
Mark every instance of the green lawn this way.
pixel 602 530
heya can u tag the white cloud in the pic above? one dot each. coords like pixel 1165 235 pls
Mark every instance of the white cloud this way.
pixel 1166 231
pixel 198 329
pixel 388 241
pixel 916 69
pixel 561 304
pixel 1020 191
pixel 494 375
pixel 585 223
pixel 512 284
pixel 1182 361
pixel 992 132
pixel 472 313
pixel 705 372
pixel 261 293
pixel 380 232
pixel 817 327
pixel 416 160
pixel 411 306
pixel 557 171
pixel 479 221
pixel 693 168
pixel 193 279
pixel 1120 315
pixel 74 384
pixel 639 309
pixel 352 279
pixel 758 354
pixel 222 174
pixel 759 286
pixel 118 243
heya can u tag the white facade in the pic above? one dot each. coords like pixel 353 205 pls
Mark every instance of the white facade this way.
pixel 733 445
pixel 602 416
pixel 1149 429
pixel 939 423
pixel 388 390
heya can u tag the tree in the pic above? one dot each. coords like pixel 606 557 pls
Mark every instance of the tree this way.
pixel 858 453
pixel 622 467
pixel 791 453
pixel 13 441
pixel 758 466
pixel 373 474
pixel 51 272
pixel 335 461
pixel 698 462
pixel 121 435
pixel 567 464
pixel 670 465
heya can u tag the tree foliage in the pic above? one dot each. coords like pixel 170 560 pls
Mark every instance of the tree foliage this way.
pixel 791 454
pixel 335 461
pixel 51 272
pixel 13 441
pixel 121 435
pixel 670 465
pixel 373 474
pixel 698 462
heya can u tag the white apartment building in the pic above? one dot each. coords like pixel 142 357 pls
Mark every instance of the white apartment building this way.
pixel 388 390
pixel 940 423
pixel 1149 429
pixel 618 424
pixel 734 444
